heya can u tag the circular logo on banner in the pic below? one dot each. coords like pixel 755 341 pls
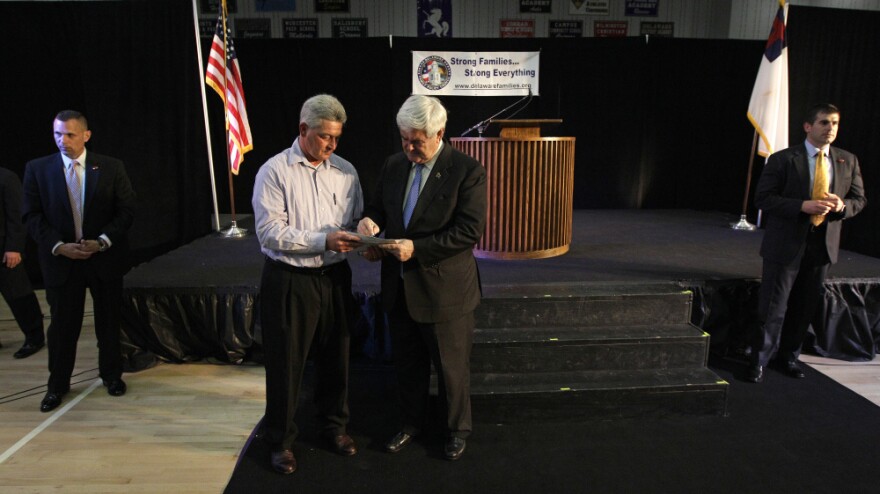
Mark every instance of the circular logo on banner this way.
pixel 434 73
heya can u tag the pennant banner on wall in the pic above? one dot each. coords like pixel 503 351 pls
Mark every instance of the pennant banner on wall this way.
pixel 457 73
pixel 434 18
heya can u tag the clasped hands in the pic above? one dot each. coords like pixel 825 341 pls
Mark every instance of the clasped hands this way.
pixel 831 203
pixel 79 250
pixel 402 249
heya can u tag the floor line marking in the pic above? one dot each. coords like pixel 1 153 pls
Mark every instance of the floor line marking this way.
pixel 46 423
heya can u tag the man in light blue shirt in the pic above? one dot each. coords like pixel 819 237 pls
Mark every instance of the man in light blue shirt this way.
pixel 305 200
pixel 802 236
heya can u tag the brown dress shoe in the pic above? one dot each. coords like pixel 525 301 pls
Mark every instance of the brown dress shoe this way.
pixel 283 461
pixel 343 444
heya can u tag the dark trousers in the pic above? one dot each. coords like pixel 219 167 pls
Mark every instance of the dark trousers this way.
pixel 67 304
pixel 19 295
pixel 304 310
pixel 414 347
pixel 788 299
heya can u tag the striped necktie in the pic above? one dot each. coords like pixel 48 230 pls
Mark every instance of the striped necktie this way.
pixel 74 192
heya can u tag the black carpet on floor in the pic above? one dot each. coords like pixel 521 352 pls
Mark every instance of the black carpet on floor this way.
pixel 785 435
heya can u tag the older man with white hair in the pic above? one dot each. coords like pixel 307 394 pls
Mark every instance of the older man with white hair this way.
pixel 432 198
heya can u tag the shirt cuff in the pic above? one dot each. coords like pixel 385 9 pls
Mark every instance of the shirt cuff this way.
pixel 319 242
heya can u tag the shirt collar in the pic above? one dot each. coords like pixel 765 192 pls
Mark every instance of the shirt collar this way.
pixel 81 159
pixel 430 163
pixel 813 150
pixel 300 157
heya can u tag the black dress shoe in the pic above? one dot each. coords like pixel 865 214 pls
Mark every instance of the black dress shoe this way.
pixel 28 349
pixel 756 374
pixel 283 461
pixel 51 401
pixel 792 369
pixel 397 442
pixel 454 448
pixel 116 387
pixel 343 444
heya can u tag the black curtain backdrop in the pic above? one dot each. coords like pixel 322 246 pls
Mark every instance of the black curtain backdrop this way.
pixel 131 68
pixel 659 123
pixel 833 57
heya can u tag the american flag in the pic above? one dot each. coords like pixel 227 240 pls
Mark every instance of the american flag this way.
pixel 238 129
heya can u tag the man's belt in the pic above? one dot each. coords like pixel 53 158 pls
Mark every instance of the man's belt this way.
pixel 319 271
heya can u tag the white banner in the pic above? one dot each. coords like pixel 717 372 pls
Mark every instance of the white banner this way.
pixel 464 73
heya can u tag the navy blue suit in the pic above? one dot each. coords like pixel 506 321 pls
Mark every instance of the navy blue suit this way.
pixel 108 209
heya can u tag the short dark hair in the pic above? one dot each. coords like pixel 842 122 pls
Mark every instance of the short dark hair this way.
pixel 815 110
pixel 66 115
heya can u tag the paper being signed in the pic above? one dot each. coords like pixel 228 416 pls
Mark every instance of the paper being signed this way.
pixel 367 240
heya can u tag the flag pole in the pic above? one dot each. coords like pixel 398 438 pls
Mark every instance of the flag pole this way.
pixel 743 223
pixel 205 113
pixel 233 231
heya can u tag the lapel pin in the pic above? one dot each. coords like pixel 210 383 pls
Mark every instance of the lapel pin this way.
pixel 437 175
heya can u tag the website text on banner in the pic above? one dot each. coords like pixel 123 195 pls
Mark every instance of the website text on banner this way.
pixel 462 73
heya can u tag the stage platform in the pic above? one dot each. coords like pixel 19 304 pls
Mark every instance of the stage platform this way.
pixel 198 302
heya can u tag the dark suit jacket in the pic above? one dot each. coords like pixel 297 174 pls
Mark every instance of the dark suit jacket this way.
pixel 12 232
pixel 441 280
pixel 108 210
pixel 785 184
pixel 14 283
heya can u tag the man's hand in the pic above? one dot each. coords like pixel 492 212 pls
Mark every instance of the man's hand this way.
pixel 11 259
pixel 90 246
pixel 373 253
pixel 403 250
pixel 822 206
pixel 341 241
pixel 838 202
pixel 73 251
pixel 367 227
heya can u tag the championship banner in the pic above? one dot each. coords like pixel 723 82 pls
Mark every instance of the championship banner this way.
pixel 464 73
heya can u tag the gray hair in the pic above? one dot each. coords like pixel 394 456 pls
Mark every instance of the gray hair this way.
pixel 424 113
pixel 322 107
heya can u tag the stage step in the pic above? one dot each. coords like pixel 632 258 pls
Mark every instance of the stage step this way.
pixel 562 351
pixel 591 395
pixel 552 349
pixel 590 305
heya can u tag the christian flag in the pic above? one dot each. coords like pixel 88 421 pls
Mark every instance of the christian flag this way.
pixel 225 78
pixel 768 108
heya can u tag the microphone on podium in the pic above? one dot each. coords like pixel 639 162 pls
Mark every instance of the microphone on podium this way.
pixel 482 124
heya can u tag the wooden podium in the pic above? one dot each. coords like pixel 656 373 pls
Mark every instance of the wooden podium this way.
pixel 531 190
